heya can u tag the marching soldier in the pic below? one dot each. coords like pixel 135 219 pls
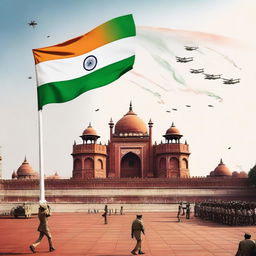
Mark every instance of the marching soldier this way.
pixel 137 229
pixel 179 212
pixel 188 211
pixel 105 214
pixel 44 212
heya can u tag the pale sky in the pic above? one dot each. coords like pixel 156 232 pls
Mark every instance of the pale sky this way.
pixel 208 133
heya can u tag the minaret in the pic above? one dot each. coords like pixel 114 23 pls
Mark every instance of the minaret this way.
pixel 150 125
pixel 111 125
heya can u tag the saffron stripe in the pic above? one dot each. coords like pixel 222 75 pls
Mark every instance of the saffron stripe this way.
pixel 110 31
pixel 58 92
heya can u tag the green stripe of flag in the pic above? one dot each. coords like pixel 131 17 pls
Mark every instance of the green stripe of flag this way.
pixel 58 92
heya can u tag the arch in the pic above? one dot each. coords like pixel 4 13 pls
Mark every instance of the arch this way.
pixel 88 163
pixel 77 164
pixel 99 164
pixel 162 168
pixel 184 163
pixel 130 166
pixel 174 167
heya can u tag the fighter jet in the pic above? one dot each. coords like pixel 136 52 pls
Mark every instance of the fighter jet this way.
pixel 211 76
pixel 231 81
pixel 32 23
pixel 191 48
pixel 196 71
pixel 184 59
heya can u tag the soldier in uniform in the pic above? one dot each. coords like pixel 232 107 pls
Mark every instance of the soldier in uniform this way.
pixel 105 214
pixel 137 229
pixel 44 212
pixel 188 211
pixel 121 210
pixel 179 212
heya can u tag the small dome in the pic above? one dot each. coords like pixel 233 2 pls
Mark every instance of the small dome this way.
pixel 14 175
pixel 172 130
pixel 243 175
pixel 130 123
pixel 235 174
pixel 222 170
pixel 90 131
pixel 55 176
pixel 25 169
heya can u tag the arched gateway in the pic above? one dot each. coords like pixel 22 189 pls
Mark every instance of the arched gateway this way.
pixel 130 166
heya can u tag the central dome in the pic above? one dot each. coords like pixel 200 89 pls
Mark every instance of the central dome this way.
pixel 131 125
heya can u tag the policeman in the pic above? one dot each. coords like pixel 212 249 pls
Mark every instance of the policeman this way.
pixel 137 229
pixel 44 212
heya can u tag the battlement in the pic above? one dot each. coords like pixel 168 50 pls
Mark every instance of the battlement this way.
pixel 89 148
pixel 171 148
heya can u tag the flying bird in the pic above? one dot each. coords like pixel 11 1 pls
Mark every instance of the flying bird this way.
pixel 30 77
pixel 188 106
pixel 48 36
pixel 211 106
pixel 97 109
pixel 175 109
pixel 168 111
pixel 229 147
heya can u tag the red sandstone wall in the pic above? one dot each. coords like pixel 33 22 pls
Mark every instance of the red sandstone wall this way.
pixel 128 183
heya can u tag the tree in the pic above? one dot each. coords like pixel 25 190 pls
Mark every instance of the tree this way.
pixel 252 175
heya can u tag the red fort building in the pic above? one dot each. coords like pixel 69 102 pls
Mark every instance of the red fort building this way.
pixel 130 152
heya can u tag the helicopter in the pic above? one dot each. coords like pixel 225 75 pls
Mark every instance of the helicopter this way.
pixel 184 59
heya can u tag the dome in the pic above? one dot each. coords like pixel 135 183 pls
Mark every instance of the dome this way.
pixel 131 123
pixel 55 176
pixel 242 175
pixel 235 174
pixel 90 131
pixel 25 169
pixel 172 130
pixel 222 170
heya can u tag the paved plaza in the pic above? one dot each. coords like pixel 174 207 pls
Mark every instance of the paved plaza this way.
pixel 86 234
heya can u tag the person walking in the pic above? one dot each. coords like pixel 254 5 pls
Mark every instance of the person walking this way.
pixel 179 212
pixel 105 214
pixel 246 247
pixel 137 229
pixel 44 212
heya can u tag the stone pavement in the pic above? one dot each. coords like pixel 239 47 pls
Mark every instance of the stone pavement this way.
pixel 85 234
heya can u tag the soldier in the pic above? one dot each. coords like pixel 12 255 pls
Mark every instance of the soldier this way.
pixel 105 214
pixel 188 211
pixel 137 229
pixel 44 212
pixel 121 210
pixel 179 212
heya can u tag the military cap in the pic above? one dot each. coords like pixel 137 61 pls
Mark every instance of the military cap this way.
pixel 139 215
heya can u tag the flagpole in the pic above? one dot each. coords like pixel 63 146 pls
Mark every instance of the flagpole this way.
pixel 41 162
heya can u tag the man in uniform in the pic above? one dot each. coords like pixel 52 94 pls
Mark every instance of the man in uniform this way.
pixel 105 214
pixel 137 229
pixel 44 212
pixel 246 246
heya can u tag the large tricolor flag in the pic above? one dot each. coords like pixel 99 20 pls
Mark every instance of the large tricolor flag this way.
pixel 97 58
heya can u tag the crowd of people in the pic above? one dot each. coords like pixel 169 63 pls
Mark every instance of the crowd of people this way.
pixel 233 213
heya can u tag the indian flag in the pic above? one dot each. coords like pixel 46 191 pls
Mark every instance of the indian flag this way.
pixel 97 58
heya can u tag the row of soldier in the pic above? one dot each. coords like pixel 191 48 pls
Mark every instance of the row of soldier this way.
pixel 110 211
pixel 233 213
